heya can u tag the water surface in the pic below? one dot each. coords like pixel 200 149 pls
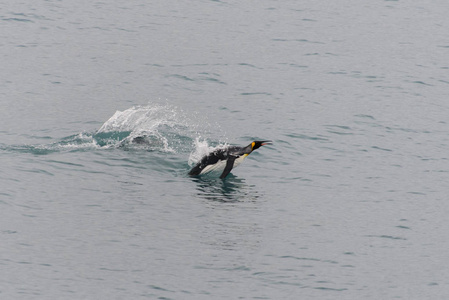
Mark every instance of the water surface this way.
pixel 105 107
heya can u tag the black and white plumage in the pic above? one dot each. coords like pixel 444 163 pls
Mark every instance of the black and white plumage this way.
pixel 225 159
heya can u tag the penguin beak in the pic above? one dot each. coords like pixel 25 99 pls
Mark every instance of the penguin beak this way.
pixel 266 143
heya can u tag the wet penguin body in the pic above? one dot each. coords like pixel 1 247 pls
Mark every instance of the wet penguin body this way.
pixel 225 159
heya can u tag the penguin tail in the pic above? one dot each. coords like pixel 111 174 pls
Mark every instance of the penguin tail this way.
pixel 195 171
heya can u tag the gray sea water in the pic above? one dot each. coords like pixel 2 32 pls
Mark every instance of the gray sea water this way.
pixel 350 201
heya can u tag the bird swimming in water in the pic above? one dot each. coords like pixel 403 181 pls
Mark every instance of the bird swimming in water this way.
pixel 224 159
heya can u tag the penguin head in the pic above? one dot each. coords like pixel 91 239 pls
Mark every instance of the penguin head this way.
pixel 257 144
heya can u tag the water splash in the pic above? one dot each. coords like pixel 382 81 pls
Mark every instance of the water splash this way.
pixel 153 127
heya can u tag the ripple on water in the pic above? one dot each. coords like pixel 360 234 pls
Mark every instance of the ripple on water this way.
pixel 233 189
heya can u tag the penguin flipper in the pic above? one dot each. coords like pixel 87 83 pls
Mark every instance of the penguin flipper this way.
pixel 229 166
pixel 195 170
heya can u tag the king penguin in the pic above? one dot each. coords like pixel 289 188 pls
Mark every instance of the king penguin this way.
pixel 224 159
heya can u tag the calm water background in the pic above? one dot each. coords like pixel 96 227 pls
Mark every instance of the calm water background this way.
pixel 350 202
